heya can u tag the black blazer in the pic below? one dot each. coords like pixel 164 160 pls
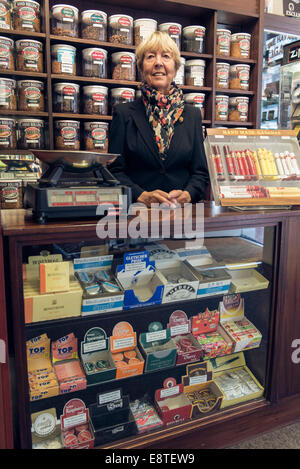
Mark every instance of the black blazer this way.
pixel 140 165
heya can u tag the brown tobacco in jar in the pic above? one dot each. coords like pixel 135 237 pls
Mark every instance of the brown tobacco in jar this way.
pixel 64 20
pixel 239 77
pixel 6 54
pixel 238 108
pixel 26 15
pixel 31 134
pixel 30 95
pixel 120 29
pixel 66 97
pixel 96 136
pixel 29 55
pixel 95 99
pixel 63 59
pixel 5 17
pixel 123 66
pixel 67 135
pixel 223 42
pixel 94 25
pixel 222 107
pixel 8 137
pixel 222 79
pixel 8 98
pixel 240 45
pixel 10 194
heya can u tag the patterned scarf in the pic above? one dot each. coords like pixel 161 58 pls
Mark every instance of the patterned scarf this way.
pixel 163 111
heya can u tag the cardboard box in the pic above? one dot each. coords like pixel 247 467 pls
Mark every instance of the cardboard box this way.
pixel 158 347
pixel 51 306
pixel 125 354
pixel 185 283
pixel 143 285
pixel 145 415
pixel 75 421
pixel 160 253
pixel 54 277
pixel 45 430
pixel 195 256
pixel 205 322
pixel 171 403
pixel 96 359
pixel 234 363
pixel 244 280
pixel 215 344
pixel 203 393
pixel 213 280
pixel 188 349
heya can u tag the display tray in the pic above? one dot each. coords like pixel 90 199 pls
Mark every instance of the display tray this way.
pixel 253 167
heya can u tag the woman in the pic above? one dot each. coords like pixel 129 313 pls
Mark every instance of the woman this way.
pixel 159 137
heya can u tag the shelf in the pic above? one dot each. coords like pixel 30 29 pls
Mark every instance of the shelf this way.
pixel 281 24
pixel 91 42
pixel 239 92
pixel 8 112
pixel 65 115
pixel 234 60
pixel 22 34
pixel 100 81
pixel 19 73
pixel 234 123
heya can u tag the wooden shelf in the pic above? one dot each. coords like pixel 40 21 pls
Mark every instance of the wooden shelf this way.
pixel 238 92
pixel 21 73
pixel 234 60
pixel 90 42
pixel 281 24
pixel 66 115
pixel 22 34
pixel 8 112
pixel 100 81
pixel 234 123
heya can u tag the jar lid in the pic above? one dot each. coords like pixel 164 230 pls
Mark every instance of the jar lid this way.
pixel 222 64
pixel 29 83
pixel 8 80
pixel 222 96
pixel 239 66
pixel 189 31
pixel 67 122
pixel 168 25
pixel 7 119
pixel 144 20
pixel 8 39
pixel 93 12
pixel 95 89
pixel 223 31
pixel 198 62
pixel 239 98
pixel 116 56
pixel 32 2
pixel 96 124
pixel 90 50
pixel 118 91
pixel 235 35
pixel 193 95
pixel 28 42
pixel 60 86
pixel 56 47
pixel 31 121
pixel 116 18
pixel 61 5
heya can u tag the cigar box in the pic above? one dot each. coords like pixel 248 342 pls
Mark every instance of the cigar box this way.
pixel 171 403
pixel 188 349
pixel 143 285
pixel 54 277
pixel 76 429
pixel 125 354
pixel 92 272
pixel 158 347
pixel 96 358
pixel 199 387
pixel 180 283
pixel 244 280
pixel 230 374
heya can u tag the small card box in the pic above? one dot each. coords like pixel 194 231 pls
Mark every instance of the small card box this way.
pixel 205 322
pixel 188 349
pixel 125 354
pixel 158 347
pixel 97 361
pixel 54 277
pixel 77 432
pixel 180 282
pixel 171 403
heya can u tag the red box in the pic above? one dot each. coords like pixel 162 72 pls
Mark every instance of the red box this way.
pixel 171 403
pixel 77 432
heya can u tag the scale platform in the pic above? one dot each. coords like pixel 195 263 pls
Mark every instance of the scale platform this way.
pixel 59 196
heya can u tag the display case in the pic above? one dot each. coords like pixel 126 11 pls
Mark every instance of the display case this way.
pixel 253 167
pixel 253 244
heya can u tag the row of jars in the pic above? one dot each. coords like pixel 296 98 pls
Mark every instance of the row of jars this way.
pixel 234 108
pixel 22 55
pixel 234 77
pixel 21 15
pixel 235 45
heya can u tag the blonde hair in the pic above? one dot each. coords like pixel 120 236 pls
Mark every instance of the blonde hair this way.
pixel 157 41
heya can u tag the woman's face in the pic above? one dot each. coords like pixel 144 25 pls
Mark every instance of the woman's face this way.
pixel 159 70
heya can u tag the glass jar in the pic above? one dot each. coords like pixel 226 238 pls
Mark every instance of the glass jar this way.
pixel 240 45
pixel 174 31
pixel 222 78
pixel 63 59
pixel 121 95
pixel 194 72
pixel 66 97
pixel 239 77
pixel 238 108
pixel 31 134
pixel 67 135
pixel 64 20
pixel 29 55
pixel 95 99
pixel 11 194
pixel 8 98
pixel 8 137
pixel 143 27
pixel 94 25
pixel 223 42
pixel 5 17
pixel 120 29
pixel 193 38
pixel 179 77
pixel 30 95
pixel 94 62
pixel 123 66
pixel 221 107
pixel 195 99
pixel 96 136
pixel 6 54
pixel 26 15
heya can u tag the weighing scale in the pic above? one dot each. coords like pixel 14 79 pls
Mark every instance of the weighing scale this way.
pixel 58 195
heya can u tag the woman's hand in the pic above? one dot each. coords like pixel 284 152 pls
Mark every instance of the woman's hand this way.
pixel 157 196
pixel 179 197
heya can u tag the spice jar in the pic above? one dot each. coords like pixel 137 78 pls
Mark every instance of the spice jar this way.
pixel 222 79
pixel 96 136
pixel 238 108
pixel 29 55
pixel 94 63
pixel 11 194
pixel 143 27
pixel 31 134
pixel 123 66
pixel 121 95
pixel 240 45
pixel 222 107
pixel 8 98
pixel 26 15
pixel 30 95
pixel 67 135
pixel 174 31
pixel 5 17
pixel 195 99
pixel 64 20
pixel 95 99
pixel 66 97
pixel 193 38
pixel 179 77
pixel 94 25
pixel 239 77
pixel 194 72
pixel 223 42
pixel 63 59
pixel 8 133
pixel 120 29
pixel 6 54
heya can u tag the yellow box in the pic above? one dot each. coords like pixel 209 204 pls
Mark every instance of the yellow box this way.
pixel 50 306
pixel 54 277
pixel 245 280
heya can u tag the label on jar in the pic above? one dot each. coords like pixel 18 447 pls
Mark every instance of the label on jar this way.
pixel 125 23
pixel 4 54
pixel 199 100
pixel 10 193
pixel 97 20
pixel 99 136
pixel 32 134
pixel 222 76
pixel 174 31
pixel 3 11
pixel 69 92
pixel 197 73
pixel 221 108
pixel 5 134
pixel 31 56
pixel 223 43
pixel 97 57
pixel 242 108
pixel 67 15
pixel 244 46
pixel 127 95
pixel 27 16
pixel 98 98
pixel 66 58
pixel 32 96
pixel 5 94
pixel 125 59
pixel 69 135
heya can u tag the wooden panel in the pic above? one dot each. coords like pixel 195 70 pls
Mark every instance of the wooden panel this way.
pixel 282 24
